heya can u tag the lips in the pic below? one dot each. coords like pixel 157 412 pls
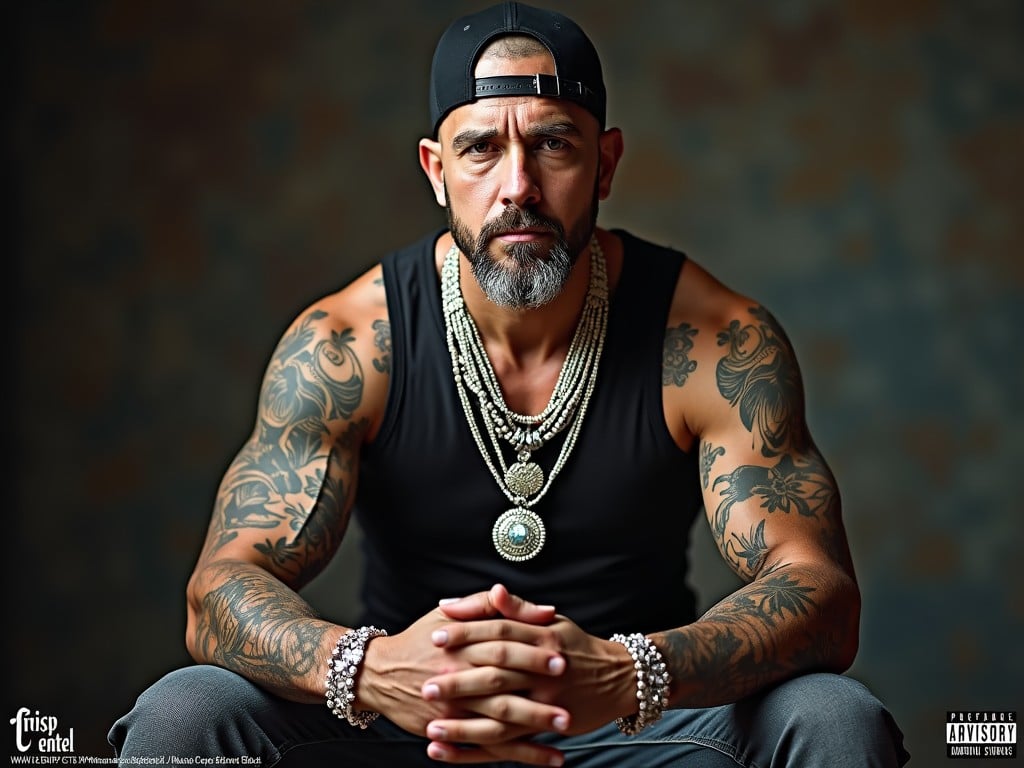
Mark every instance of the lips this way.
pixel 521 232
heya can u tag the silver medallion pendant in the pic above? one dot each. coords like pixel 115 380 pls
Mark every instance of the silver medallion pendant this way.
pixel 524 478
pixel 518 534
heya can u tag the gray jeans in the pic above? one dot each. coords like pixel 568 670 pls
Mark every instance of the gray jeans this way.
pixel 205 711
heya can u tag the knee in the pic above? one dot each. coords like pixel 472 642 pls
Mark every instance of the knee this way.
pixel 821 700
pixel 832 713
pixel 192 693
pixel 185 705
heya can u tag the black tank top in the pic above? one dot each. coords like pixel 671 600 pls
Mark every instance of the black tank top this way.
pixel 618 515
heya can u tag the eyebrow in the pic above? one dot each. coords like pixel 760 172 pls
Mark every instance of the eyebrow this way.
pixel 471 136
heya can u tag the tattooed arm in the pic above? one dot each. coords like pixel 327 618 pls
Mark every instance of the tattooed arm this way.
pixel 283 505
pixel 774 511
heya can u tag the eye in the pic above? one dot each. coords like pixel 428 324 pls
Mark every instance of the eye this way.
pixel 552 144
pixel 480 148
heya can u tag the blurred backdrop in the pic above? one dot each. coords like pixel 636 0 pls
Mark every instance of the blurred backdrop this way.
pixel 189 175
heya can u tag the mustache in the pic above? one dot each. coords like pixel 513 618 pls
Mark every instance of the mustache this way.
pixel 513 218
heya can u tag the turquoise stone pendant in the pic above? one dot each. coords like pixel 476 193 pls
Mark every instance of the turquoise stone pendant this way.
pixel 518 534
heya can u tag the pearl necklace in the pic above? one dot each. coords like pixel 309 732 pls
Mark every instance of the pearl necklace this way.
pixel 519 533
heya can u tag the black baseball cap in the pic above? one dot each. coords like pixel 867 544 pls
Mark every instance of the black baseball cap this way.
pixel 577 75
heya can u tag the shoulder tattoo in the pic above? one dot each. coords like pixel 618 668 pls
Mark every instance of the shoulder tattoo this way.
pixel 676 364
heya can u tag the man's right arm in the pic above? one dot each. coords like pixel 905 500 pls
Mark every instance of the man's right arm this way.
pixel 281 512
pixel 284 502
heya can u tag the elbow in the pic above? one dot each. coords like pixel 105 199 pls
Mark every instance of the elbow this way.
pixel 191 645
pixel 192 620
pixel 845 627
pixel 846 653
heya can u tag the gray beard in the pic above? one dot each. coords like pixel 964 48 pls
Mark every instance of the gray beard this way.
pixel 528 277
pixel 525 279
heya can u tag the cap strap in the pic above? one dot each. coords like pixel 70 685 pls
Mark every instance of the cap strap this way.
pixel 532 85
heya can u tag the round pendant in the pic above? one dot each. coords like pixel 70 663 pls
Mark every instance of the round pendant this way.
pixel 518 534
pixel 524 478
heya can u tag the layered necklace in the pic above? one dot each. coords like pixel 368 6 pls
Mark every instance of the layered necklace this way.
pixel 519 534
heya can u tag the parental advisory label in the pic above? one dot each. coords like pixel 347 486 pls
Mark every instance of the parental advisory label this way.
pixel 981 733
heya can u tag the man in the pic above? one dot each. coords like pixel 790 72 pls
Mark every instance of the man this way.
pixel 526 412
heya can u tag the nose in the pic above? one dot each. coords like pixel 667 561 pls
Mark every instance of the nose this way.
pixel 519 185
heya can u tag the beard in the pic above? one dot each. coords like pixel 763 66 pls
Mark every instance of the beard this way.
pixel 531 274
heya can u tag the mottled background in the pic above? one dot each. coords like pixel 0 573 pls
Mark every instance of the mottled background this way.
pixel 190 174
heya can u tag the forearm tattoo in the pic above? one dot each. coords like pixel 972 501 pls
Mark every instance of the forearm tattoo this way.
pixel 740 644
pixel 255 625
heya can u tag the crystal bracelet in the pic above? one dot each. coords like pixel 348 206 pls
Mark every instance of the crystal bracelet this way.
pixel 652 682
pixel 341 675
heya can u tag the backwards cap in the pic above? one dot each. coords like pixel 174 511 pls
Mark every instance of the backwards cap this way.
pixel 577 75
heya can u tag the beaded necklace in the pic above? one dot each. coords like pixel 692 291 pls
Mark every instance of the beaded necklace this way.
pixel 518 534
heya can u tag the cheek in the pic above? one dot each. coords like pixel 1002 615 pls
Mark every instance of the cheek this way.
pixel 473 202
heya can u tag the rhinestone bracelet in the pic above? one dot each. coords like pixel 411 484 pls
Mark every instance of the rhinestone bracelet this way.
pixel 652 682
pixel 341 675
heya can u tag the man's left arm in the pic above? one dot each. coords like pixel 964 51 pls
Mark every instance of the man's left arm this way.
pixel 775 514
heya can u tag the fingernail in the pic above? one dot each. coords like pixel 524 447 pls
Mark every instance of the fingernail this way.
pixel 435 752
pixel 556 760
pixel 439 636
pixel 556 665
pixel 436 732
pixel 561 722
pixel 448 600
pixel 431 691
pixel 546 607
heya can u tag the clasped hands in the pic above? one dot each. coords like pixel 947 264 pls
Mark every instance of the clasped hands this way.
pixel 479 675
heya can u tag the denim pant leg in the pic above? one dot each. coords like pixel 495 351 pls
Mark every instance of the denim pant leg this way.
pixel 208 711
pixel 813 721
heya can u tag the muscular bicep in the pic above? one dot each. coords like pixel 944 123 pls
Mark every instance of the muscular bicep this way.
pixel 283 503
pixel 769 495
pixel 765 511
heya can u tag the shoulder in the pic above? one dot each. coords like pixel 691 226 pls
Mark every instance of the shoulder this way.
pixel 335 355
pixel 362 298
pixel 362 301
pixel 703 301
pixel 724 350
pixel 700 301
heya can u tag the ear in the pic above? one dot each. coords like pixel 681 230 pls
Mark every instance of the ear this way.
pixel 611 148
pixel 430 162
